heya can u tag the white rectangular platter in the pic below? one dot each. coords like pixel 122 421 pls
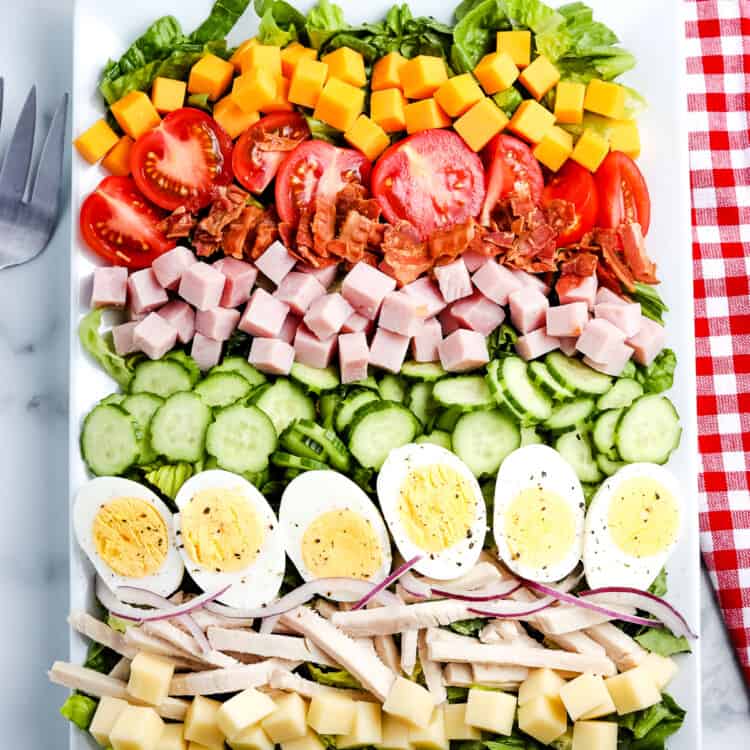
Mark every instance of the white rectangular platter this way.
pixel 654 33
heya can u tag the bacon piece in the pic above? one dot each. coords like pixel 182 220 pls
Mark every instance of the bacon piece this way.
pixel 237 232
pixel 446 245
pixel 560 214
pixel 180 223
pixel 229 204
pixel 353 238
pixel 266 233
pixel 634 250
pixel 323 225
pixel 406 257
pixel 580 264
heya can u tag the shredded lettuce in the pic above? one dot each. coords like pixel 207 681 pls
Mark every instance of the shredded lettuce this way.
pixel 474 34
pixel 100 658
pixel 663 642
pixel 280 23
pixel 117 624
pixel 659 375
pixel 79 709
pixel 508 100
pixel 101 348
pixel 468 627
pixel 650 728
pixel 169 478
pixel 323 21
pixel 659 585
pixel 324 132
pixel 652 305
pixel 501 341
pixel 339 678
pixel 221 20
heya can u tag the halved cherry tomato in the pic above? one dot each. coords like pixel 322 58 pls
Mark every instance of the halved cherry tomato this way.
pixel 316 169
pixel 119 224
pixel 511 167
pixel 431 179
pixel 182 160
pixel 576 185
pixel 262 147
pixel 623 193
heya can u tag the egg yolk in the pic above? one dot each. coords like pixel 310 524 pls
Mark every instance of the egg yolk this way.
pixel 539 527
pixel 643 517
pixel 341 544
pixel 221 530
pixel 436 507
pixel 131 537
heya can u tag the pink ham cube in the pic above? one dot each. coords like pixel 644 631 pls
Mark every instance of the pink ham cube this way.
pixel 364 288
pixel 536 344
pixel 478 313
pixel 272 356
pixel 146 293
pixel 202 286
pixel 123 339
pixel 205 351
pixel 312 351
pixel 239 281
pixel 325 275
pixel 528 309
pixel 616 362
pixel 388 350
pixel 584 291
pixel 463 350
pixel 454 280
pixel 110 288
pixel 626 316
pixel 219 323
pixel 398 313
pixel 424 345
pixel 154 336
pixel 648 342
pixel 299 291
pixel 264 315
pixel 568 345
pixel 600 340
pixel 530 279
pixel 289 329
pixel 275 263
pixel 474 260
pixel 608 297
pixel 427 295
pixel 357 323
pixel 567 320
pixel 181 317
pixel 327 315
pixel 448 322
pixel 496 282
pixel 354 356
pixel 170 266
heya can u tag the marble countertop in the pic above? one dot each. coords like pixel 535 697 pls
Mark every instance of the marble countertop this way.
pixel 35 48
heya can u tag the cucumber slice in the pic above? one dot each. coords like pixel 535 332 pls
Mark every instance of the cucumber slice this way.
pixel 328 403
pixel 529 436
pixel 420 401
pixel 301 445
pixel 184 359
pixel 497 389
pixel 284 402
pixel 113 398
pixel 178 427
pixel 648 431
pixel 575 448
pixel 603 434
pixel 162 377
pixel 109 440
pixel 241 438
pixel 391 388
pixel 607 466
pixel 369 382
pixel 576 376
pixel 521 393
pixel 222 389
pixel 466 391
pixel 297 463
pixel 378 428
pixel 349 407
pixel 483 438
pixel 338 454
pixel 423 370
pixel 315 379
pixel 447 419
pixel 622 394
pixel 570 414
pixel 437 437
pixel 142 407
pixel 242 367
pixel 542 378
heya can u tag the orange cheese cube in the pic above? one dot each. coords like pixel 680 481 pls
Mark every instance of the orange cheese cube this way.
pixel 569 102
pixel 210 75
pixel 339 104
pixel 386 73
pixel 281 103
pixel 555 148
pixel 368 137
pixel 135 114
pixel 425 115
pixel 605 98
pixel 255 90
pixel 539 77
pixel 233 119
pixel 262 56
pixel 496 72
pixel 93 144
pixel 388 109
pixel 422 76
pixel 167 94
pixel 458 94
pixel 117 161
pixel 236 58
pixel 590 150
pixel 346 65
pixel 517 44
pixel 307 82
pixel 292 54
pixel 531 121
pixel 480 124
pixel 624 136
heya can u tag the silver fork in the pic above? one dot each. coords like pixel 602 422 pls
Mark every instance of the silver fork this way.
pixel 28 215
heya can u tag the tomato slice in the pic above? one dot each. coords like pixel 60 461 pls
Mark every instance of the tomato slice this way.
pixel 576 185
pixel 431 179
pixel 119 224
pixel 511 167
pixel 316 169
pixel 260 150
pixel 623 193
pixel 182 160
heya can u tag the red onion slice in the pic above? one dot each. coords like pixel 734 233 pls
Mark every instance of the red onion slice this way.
pixel 498 591
pixel 513 610
pixel 387 581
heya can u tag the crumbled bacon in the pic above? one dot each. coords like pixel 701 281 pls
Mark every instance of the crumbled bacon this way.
pixel 445 245
pixel 579 263
pixel 226 208
pixel 237 232
pixel 634 250
pixel 180 223
pixel 405 256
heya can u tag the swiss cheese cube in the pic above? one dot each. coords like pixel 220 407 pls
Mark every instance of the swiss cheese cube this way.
pixel 211 75
pixel 368 137
pixel 594 735
pixel 388 109
pixel 346 65
pixel 590 150
pixel 167 94
pixel 605 708
pixel 539 77
pixel 410 702
pixel 339 104
pixel 661 668
pixel 94 143
pixel 150 677
pixel 331 714
pixel 105 716
pixel 386 73
pixel 517 44
pixel 289 719
pixel 395 734
pixel 200 722
pixel 624 136
pixel 422 76
pixel 433 736
pixel 266 56
pixel 555 148
pixel 480 124
pixel 569 97
pixel 307 82
pixel 491 711
pixel 583 694
pixel 253 738
pixel 308 741
pixel 172 738
pixel 496 72
pixel 456 727
pixel 633 690
pixel 605 98
pixel 425 114
pixel 242 711
pixel 135 114
pixel 543 718
pixel 233 119
pixel 458 94
pixel 367 727
pixel 236 58
pixel 292 54
pixel 281 101
pixel 255 90
pixel 540 682
pixel 136 728
pixel 531 121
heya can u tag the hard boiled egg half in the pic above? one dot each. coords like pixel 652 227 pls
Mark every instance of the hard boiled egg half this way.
pixel 128 534
pixel 228 535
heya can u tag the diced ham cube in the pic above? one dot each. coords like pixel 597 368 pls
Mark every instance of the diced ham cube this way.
pixel 132 315
pixel 496 282
pixel 202 286
pixel 585 291
pixel 608 297
pixel 239 278
pixel 272 356
pixel 154 336
pixel 627 317
pixel 388 350
pixel 399 314
pixel 567 320
pixel 299 291
pixel 219 323
pixel 325 275
pixel 170 266
pixel 528 309
pixel 478 313
pixel 530 279
pixel 365 287
pixel 536 344
pixel 122 337
pixel 568 345
pixel 110 288
pixel 289 329
pixel 205 351
pixel 327 315
pixel 264 315
pixel 474 260
pixel 146 293
pixel 616 362
pixel 275 263
pixel 427 295
pixel 463 350
pixel 448 322
pixel 357 323
pixel 454 280
pixel 354 356
pixel 181 317
pixel 312 351
pixel 600 340
pixel 424 345
pixel 648 342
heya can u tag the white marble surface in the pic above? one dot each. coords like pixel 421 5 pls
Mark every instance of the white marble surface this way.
pixel 35 48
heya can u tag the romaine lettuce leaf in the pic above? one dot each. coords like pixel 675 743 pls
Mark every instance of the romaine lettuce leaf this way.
pixel 100 347
pixel 221 20
pixel 649 729
pixel 323 21
pixel 663 642
pixel 156 42
pixel 339 678
pixel 474 34
pixel 508 100
pixel 280 23
pixel 169 478
pixel 659 375
pixel 79 709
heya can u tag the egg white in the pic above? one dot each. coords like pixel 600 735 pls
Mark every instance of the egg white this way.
pixel 259 582
pixel 88 502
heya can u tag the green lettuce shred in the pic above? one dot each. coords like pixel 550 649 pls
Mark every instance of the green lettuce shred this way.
pixel 100 658
pixel 339 678
pixel 323 21
pixel 169 478
pixel 659 375
pixel 101 348
pixel 468 627
pixel 663 642
pixel 650 728
pixel 221 20
pixel 79 709
pixel 652 305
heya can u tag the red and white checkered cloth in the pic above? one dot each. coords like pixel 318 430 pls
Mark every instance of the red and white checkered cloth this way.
pixel 718 65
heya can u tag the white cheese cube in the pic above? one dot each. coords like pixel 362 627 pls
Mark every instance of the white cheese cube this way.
pixel 172 738
pixel 136 728
pixel 367 727
pixel 456 727
pixel 583 694
pixel 198 746
pixel 242 711
pixel 603 709
pixel 288 721
pixel 331 714
pixel 594 735
pixel 431 737
pixel 105 716
pixel 661 668
pixel 491 710
pixel 410 702
pixel 395 734
pixel 540 682
pixel 253 738
pixel 149 678
pixel 308 741
pixel 543 718
pixel 633 690
pixel 200 723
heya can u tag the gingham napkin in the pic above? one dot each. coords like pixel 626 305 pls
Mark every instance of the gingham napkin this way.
pixel 718 84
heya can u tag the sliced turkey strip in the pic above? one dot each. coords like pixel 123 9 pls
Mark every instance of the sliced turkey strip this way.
pixel 624 651
pixel 291 682
pixel 387 651
pixel 185 642
pixel 458 675
pixel 121 670
pixel 566 618
pixel 578 642
pixel 232 680
pixel 100 632
pixel 496 675
pixel 432 671
pixel 142 641
pixel 289 647
pixel 507 631
pixel 409 651
pixel 205 620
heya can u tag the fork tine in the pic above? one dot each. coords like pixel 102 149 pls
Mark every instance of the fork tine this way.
pixel 15 170
pixel 2 91
pixel 46 193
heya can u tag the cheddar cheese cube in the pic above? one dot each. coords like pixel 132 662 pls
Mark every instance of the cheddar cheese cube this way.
pixel 307 82
pixel 531 121
pixel 292 54
pixel 346 65
pixel 167 94
pixel 458 94
pixel 309 741
pixel 583 694
pixel 388 109
pixel 633 690
pixel 94 143
pixel 200 722
pixel 395 734
pixel 368 137
pixel 253 738
pixel 569 102
pixel 543 718
pixel 386 73
pixel 590 150
pixel 289 719
pixel 422 76
pixel 266 56
pixel 243 710
pixel 540 682
pixel 539 77
pixel 117 161
pixel 517 44
pixel 281 102
pixel 172 738
pixel 491 711
pixel 136 728
pixel 480 124
pixel 150 677
pixel 339 104
pixel 255 90
pixel 433 736
pixel 105 716
pixel 236 58
pixel 456 727
pixel 135 114
pixel 624 136
pixel 425 114
pixel 555 148
pixel 367 727
pixel 211 75
pixel 496 72
pixel 594 735
pixel 233 119
pixel 331 714
pixel 605 98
